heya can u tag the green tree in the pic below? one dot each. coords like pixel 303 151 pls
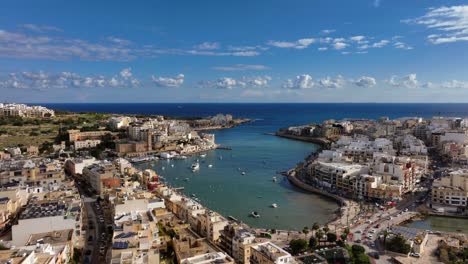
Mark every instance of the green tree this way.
pixel 326 229
pixel 398 244
pixel 361 259
pixel 343 237
pixel 298 245
pixel 357 249
pixel 331 237
pixel 305 230
pixel 315 226
pixel 313 242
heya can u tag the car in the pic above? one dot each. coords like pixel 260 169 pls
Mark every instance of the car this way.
pixel 406 209
pixel 377 226
pixel 358 231
pixel 416 255
pixel 369 236
pixel 358 241
pixel 372 231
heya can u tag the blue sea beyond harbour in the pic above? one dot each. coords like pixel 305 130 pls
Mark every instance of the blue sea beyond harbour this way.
pixel 223 188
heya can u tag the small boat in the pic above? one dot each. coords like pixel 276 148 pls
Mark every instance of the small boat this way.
pixel 210 166
pixel 195 166
pixel 220 157
pixel 203 155
pixel 194 195
pixel 243 173
pixel 163 168
pixel 274 179
pixel 255 214
pixel 186 179
pixel 172 165
pixel 274 205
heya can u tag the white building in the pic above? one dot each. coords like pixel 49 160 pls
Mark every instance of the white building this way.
pixel 86 144
pixel 270 253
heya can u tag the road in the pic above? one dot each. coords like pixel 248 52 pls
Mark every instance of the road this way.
pixel 98 240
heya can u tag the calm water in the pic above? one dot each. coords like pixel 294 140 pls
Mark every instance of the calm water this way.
pixel 224 189
pixel 439 223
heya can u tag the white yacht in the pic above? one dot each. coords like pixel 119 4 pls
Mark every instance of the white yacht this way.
pixel 203 155
pixel 243 173
pixel 210 166
pixel 274 205
pixel 195 166
pixel 274 179
pixel 255 214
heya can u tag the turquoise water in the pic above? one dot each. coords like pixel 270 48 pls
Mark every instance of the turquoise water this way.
pixel 440 223
pixel 223 188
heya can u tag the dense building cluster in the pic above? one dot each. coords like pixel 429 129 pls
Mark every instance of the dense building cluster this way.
pixel 22 110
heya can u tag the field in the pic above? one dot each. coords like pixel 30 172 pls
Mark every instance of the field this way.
pixel 15 131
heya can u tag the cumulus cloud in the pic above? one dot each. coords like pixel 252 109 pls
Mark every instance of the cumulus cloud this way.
pixel 451 22
pixel 339 45
pixel 303 81
pixel 402 45
pixel 126 73
pixel 242 67
pixel 208 46
pixel 455 84
pixel 298 44
pixel 332 83
pixel 230 83
pixel 327 31
pixel 40 28
pixel 365 81
pixel 379 44
pixel 407 81
pixel 176 81
pixel 42 81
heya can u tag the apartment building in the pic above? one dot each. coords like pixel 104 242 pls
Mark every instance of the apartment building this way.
pixel 451 191
pixel 269 253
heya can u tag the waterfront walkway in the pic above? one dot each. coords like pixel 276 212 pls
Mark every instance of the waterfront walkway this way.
pixel 349 209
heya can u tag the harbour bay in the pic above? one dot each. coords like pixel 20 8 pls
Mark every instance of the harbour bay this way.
pixel 222 188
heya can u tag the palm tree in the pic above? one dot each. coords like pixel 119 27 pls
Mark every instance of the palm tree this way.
pixel 315 227
pixel 385 235
pixel 319 235
pixel 305 231
pixel 326 229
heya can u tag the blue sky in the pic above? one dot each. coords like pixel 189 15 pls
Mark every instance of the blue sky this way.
pixel 234 51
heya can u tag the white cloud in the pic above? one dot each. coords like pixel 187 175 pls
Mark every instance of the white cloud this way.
pixel 455 84
pixel 208 46
pixel 339 45
pixel 119 41
pixel 379 44
pixel 126 73
pixel 361 40
pixel 40 28
pixel 327 31
pixel 407 81
pixel 41 81
pixel 322 48
pixel 377 3
pixel 451 22
pixel 333 83
pixel 402 45
pixel 303 81
pixel 242 67
pixel 230 83
pixel 298 44
pixel 365 81
pixel 176 81
pixel 260 81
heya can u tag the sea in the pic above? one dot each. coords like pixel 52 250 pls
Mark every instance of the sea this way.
pixel 223 187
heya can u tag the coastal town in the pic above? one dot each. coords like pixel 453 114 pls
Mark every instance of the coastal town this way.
pixel 78 196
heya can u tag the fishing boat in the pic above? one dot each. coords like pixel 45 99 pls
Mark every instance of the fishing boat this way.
pixel 274 205
pixel 195 166
pixel 255 214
